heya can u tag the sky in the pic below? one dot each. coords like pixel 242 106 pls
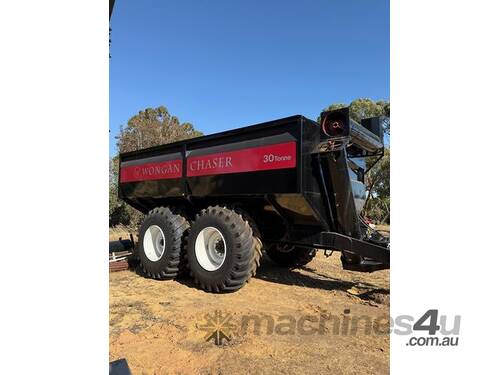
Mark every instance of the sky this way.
pixel 226 64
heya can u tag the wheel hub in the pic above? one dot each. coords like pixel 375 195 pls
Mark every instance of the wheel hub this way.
pixel 154 243
pixel 210 249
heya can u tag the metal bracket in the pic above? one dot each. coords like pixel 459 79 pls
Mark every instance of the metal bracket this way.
pixel 328 253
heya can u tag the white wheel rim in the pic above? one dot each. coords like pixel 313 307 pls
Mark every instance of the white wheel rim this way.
pixel 210 249
pixel 154 243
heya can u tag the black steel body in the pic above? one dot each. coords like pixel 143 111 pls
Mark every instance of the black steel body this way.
pixel 303 197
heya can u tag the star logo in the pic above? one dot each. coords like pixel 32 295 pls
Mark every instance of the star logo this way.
pixel 218 327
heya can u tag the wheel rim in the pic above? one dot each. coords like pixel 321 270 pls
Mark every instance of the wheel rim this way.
pixel 210 249
pixel 154 243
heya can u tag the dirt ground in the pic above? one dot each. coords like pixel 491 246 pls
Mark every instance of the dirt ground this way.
pixel 319 319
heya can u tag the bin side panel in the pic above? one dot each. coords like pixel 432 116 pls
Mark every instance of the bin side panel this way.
pixel 255 163
pixel 152 176
pixel 251 159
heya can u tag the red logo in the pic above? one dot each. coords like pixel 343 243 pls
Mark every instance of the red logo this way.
pixel 152 171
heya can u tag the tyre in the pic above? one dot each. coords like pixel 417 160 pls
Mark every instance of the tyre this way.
pixel 290 256
pixel 160 243
pixel 258 247
pixel 222 253
pixel 257 255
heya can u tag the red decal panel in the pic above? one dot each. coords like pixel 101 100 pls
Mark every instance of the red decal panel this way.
pixel 262 158
pixel 152 171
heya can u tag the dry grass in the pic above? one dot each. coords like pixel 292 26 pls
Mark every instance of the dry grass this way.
pixel 155 325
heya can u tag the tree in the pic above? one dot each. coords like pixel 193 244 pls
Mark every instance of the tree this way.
pixel 150 127
pixel 377 178
pixel 153 127
pixel 377 182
